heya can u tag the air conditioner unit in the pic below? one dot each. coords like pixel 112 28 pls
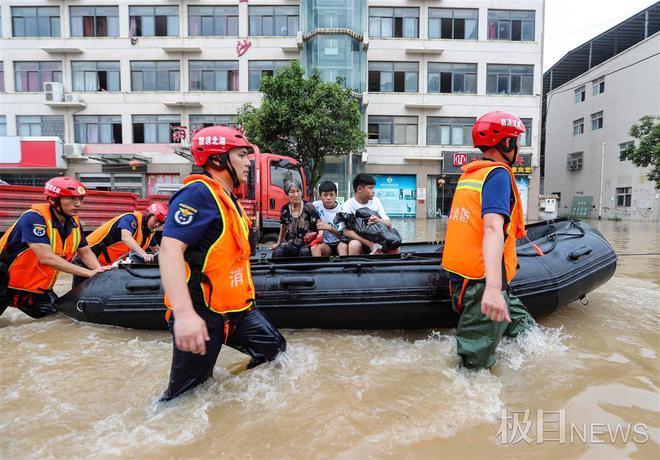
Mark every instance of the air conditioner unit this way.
pixel 53 91
pixel 72 98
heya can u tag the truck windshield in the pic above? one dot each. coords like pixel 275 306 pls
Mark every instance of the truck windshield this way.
pixel 279 175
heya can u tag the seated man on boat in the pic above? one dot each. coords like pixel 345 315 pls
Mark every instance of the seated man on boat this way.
pixel 205 266
pixel 298 220
pixel 131 231
pixel 40 244
pixel 485 221
pixel 327 208
pixel 365 197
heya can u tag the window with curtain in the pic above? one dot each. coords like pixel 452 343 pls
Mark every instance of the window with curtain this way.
pixel 449 130
pixel 30 76
pixel 398 77
pixel 213 75
pixel 154 129
pixel 273 20
pixel 97 129
pixel 154 21
pixel 94 21
pixel 515 25
pixel 509 79
pixel 393 22
pixel 218 21
pixel 95 76
pixel 452 78
pixel 453 23
pixel 155 75
pixel 392 130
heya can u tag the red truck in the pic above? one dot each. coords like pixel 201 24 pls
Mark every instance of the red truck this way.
pixel 262 197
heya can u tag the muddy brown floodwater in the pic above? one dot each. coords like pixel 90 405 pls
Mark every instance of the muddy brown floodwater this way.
pixel 589 373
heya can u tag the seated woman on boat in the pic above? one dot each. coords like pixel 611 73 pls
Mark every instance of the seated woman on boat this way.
pixel 297 220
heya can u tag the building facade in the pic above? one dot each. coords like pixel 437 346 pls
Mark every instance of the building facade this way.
pixel 126 75
pixel 588 119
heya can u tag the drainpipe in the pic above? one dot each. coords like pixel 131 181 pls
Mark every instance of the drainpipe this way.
pixel 602 180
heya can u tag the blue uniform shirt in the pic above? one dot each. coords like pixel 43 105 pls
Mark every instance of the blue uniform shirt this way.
pixel 128 222
pixel 31 228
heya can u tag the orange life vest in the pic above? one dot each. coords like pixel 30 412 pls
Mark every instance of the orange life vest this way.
pixel 463 251
pixel 26 273
pixel 102 245
pixel 223 273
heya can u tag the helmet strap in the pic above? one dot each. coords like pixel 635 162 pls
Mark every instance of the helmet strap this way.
pixel 507 145
pixel 56 205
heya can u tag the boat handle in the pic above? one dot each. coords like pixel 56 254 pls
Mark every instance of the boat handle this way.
pixel 298 282
pixel 579 252
pixel 142 286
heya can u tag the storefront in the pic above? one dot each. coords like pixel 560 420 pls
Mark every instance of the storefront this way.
pixel 442 187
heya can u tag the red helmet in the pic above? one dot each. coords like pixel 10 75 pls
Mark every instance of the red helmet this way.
pixel 157 209
pixel 491 128
pixel 64 186
pixel 215 140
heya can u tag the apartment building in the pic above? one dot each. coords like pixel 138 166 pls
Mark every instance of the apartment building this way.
pixel 128 81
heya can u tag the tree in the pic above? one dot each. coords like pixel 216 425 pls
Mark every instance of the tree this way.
pixel 647 132
pixel 304 118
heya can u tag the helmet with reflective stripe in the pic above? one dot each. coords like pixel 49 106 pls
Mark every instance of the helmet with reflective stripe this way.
pixel 490 129
pixel 215 140
pixel 58 187
pixel 157 209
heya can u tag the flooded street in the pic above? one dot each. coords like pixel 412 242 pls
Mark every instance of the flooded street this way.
pixel 78 390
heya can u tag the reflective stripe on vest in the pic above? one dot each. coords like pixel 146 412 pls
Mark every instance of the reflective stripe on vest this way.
pixel 463 250
pixel 106 249
pixel 224 276
pixel 26 273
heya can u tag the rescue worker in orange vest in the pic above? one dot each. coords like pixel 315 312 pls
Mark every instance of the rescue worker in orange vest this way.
pixel 40 244
pixel 485 221
pixel 205 266
pixel 131 231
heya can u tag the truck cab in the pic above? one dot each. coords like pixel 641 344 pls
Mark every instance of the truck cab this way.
pixel 263 195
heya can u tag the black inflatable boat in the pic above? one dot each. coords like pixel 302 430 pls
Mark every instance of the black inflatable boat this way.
pixel 403 291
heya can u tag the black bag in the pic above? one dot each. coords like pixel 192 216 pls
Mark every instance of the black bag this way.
pixel 379 233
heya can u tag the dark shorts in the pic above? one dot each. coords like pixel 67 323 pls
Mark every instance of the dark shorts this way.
pixel 248 331
pixel 33 305
pixel 333 247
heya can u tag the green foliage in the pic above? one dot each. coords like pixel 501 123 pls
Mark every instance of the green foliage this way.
pixel 304 118
pixel 647 153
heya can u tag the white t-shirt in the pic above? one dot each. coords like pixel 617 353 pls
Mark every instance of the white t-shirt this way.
pixel 328 216
pixel 351 205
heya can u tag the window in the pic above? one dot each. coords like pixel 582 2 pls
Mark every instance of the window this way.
pixel 259 69
pixel 394 22
pixel 516 25
pixel 273 21
pixel 281 175
pixel 398 77
pixel 94 21
pixel 574 161
pixel 154 129
pixel 198 122
pixel 392 130
pixel 155 75
pixel 154 21
pixel 3 125
pixel 624 196
pixel 509 79
pixel 580 94
pixel 95 76
pixel 97 129
pixel 525 139
pixel 578 127
pixel 40 21
pixel 31 76
pixel 213 75
pixel 452 78
pixel 449 131
pixel 625 146
pixel 40 125
pixel 213 21
pixel 598 86
pixel 596 120
pixel 2 77
pixel 457 24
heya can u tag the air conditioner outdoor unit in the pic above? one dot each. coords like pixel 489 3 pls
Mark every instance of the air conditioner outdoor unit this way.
pixel 72 98
pixel 53 91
